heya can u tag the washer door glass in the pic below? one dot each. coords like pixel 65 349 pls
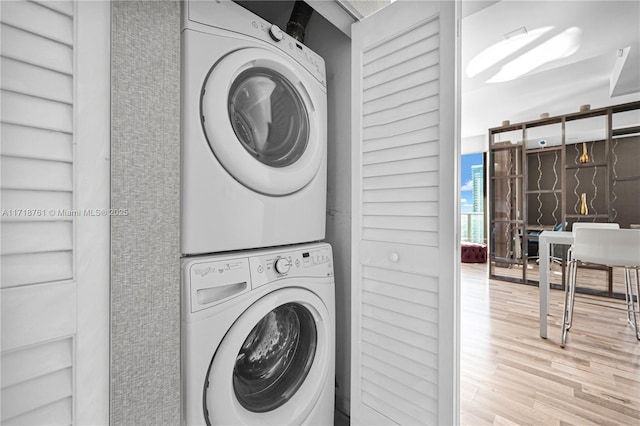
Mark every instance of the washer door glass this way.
pixel 275 358
pixel 268 117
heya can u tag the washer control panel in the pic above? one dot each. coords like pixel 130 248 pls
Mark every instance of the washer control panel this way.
pixel 214 282
pixel 313 262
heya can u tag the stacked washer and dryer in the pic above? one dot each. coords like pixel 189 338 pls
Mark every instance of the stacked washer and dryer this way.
pixel 258 310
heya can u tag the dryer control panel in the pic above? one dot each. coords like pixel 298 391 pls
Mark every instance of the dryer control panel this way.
pixel 229 16
pixel 312 262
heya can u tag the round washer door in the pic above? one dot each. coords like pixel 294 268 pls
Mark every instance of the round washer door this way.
pixel 272 364
pixel 259 118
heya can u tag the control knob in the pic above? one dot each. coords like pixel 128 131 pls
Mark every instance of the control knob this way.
pixel 282 265
pixel 276 33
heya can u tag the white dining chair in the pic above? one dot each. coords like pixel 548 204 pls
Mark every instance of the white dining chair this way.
pixel 570 291
pixel 605 244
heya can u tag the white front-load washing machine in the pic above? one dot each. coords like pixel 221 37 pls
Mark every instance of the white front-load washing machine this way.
pixel 258 337
pixel 253 136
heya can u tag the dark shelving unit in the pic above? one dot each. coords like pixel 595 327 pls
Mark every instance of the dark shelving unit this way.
pixel 537 174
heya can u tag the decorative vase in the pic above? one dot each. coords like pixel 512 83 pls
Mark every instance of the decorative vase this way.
pixel 583 204
pixel 584 158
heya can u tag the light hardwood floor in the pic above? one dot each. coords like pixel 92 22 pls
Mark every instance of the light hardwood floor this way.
pixel 509 375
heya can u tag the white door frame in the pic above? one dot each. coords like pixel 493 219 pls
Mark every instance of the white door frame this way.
pixel 92 146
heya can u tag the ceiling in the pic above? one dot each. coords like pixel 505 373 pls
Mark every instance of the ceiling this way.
pixel 557 87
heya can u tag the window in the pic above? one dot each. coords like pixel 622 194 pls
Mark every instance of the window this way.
pixel 472 198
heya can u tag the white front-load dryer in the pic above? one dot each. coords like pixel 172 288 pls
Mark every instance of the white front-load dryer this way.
pixel 258 337
pixel 253 135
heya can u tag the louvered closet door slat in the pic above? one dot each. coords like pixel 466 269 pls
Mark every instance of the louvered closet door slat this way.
pixel 425 135
pixel 377 339
pixel 24 173
pixel 401 67
pixel 399 267
pixel 408 180
pixel 400 319
pixel 394 114
pixel 41 144
pixel 409 123
pixel 13 200
pixel 37 316
pixel 407 223
pixel 398 380
pixel 404 365
pixel 39 19
pixel 34 49
pixel 34 361
pixel 400 97
pixel 55 413
pixel 419 338
pixel 414 81
pixel 28 237
pixel 415 208
pixel 62 6
pixel 404 152
pixel 36 112
pixel 24 397
pixel 36 268
pixel 416 238
pixel 400 42
pixel 425 193
pixel 35 81
pixel 401 278
pixel 401 167
pixel 398 413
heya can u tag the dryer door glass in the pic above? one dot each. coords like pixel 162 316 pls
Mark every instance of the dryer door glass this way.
pixel 268 117
pixel 275 358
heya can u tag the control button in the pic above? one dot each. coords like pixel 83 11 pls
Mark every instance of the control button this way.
pixel 282 265
pixel 260 269
pixel 298 263
pixel 276 33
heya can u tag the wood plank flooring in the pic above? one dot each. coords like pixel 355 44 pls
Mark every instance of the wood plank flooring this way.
pixel 509 375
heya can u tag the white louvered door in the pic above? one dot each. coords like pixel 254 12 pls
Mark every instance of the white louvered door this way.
pixel 404 257
pixel 54 256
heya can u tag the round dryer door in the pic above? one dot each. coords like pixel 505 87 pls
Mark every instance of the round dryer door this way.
pixel 273 363
pixel 260 121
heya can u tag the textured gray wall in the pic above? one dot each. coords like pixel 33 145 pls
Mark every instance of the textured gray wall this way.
pixel 145 173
